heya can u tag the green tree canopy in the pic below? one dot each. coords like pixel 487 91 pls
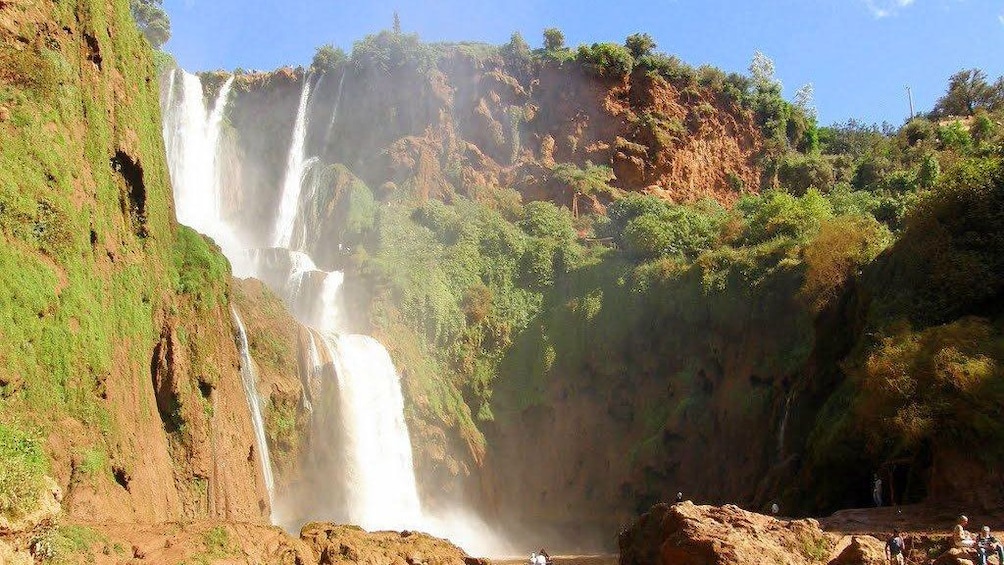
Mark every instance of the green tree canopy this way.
pixel 640 45
pixel 554 39
pixel 968 91
pixel 152 20
pixel 327 58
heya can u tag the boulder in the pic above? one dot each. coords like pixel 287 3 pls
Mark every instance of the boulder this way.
pixel 859 550
pixel 955 556
pixel 344 545
pixel 687 534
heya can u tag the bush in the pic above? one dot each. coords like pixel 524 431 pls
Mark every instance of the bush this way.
pixel 640 45
pixel 776 214
pixel 607 60
pixel 798 173
pixel 940 385
pixel 554 40
pixel 681 232
pixel 842 245
pixel 22 469
pixel 668 67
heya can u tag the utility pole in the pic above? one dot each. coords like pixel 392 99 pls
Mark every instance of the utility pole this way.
pixel 909 95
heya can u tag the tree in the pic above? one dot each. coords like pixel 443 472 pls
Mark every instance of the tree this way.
pixel 152 20
pixel 803 100
pixel 929 172
pixel 554 40
pixel 397 23
pixel 640 45
pixel 327 58
pixel 517 46
pixel 762 71
pixel 968 90
pixel 592 180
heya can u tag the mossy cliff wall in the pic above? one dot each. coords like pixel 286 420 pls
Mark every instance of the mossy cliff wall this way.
pixel 117 352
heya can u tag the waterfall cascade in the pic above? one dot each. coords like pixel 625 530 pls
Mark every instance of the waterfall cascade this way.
pixel 292 185
pixel 379 487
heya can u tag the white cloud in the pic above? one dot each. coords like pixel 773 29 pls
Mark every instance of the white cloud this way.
pixel 1000 18
pixel 884 8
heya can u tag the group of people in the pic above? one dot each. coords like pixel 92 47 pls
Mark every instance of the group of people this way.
pixel 984 544
pixel 542 558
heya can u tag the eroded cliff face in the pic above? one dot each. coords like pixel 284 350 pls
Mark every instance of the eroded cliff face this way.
pixel 116 346
pixel 473 125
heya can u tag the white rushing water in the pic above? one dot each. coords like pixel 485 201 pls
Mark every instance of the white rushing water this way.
pixel 359 466
pixel 379 473
pixel 249 377
pixel 293 179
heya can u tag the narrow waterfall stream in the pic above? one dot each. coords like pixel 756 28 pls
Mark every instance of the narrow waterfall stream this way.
pixel 249 377
pixel 292 184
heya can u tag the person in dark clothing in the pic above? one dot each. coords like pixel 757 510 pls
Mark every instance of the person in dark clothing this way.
pixel 987 545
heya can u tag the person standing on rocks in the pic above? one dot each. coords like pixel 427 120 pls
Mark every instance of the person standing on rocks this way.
pixel 894 549
pixel 877 491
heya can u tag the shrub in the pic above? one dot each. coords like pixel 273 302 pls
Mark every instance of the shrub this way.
pixel 22 468
pixel 941 384
pixel 668 67
pixel 776 214
pixel 681 232
pixel 955 137
pixel 798 173
pixel 607 60
pixel 554 39
pixel 842 245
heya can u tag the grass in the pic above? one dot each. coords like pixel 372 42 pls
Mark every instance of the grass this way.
pixel 22 468
pixel 67 544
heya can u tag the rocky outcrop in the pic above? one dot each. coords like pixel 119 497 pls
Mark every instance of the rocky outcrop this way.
pixel 686 534
pixel 344 545
pixel 859 550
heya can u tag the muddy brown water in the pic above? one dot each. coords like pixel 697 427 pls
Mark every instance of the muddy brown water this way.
pixel 564 560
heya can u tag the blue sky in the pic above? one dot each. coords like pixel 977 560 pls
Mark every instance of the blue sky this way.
pixel 858 54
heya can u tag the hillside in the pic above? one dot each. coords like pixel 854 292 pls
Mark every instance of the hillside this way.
pixel 119 375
